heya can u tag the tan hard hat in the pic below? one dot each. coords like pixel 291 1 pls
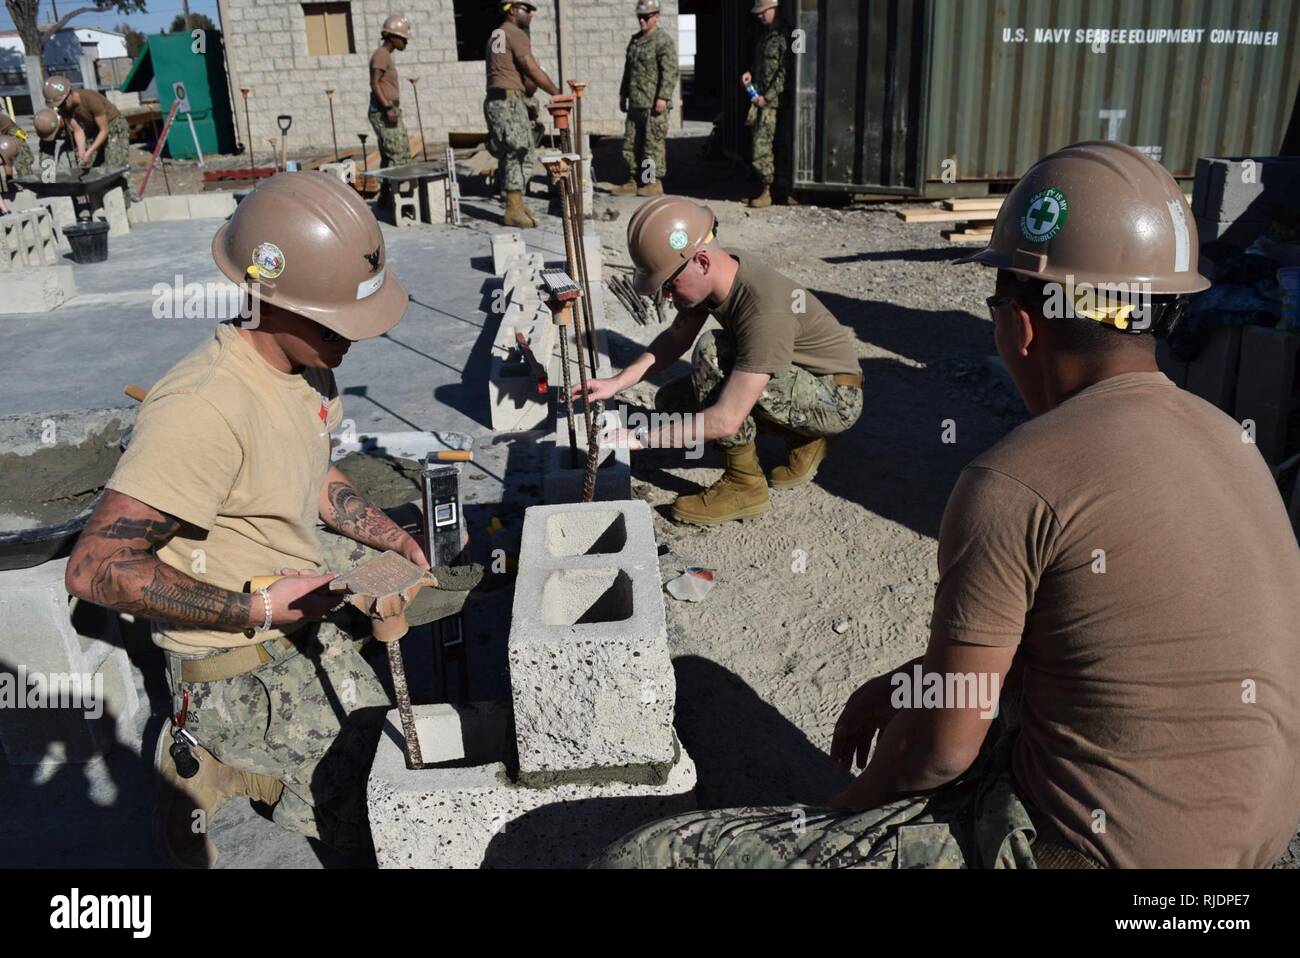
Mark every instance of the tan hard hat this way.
pixel 647 6
pixel 57 90
pixel 6 122
pixel 1097 212
pixel 505 7
pixel 47 123
pixel 398 26
pixel 761 5
pixel 664 233
pixel 9 147
pixel 309 244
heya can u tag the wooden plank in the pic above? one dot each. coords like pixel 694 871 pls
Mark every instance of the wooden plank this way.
pixel 928 215
pixel 961 236
pixel 974 203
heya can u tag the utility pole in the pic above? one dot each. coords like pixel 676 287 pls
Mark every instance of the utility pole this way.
pixel 185 6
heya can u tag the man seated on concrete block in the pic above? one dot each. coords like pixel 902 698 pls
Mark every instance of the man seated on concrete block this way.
pixel 781 362
pixel 1121 565
pixel 226 473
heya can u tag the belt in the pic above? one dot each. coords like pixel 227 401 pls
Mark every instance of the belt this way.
pixel 848 379
pixel 496 93
pixel 237 661
pixel 1050 848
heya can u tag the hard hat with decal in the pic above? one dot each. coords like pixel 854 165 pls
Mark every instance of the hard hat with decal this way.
pixel 57 90
pixel 663 234
pixel 507 7
pixel 307 243
pixel 1098 212
pixel 7 125
pixel 646 7
pixel 761 5
pixel 398 26
pixel 47 123
pixel 9 147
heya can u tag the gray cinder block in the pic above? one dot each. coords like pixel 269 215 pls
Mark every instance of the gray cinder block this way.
pixel 467 812
pixel 564 475
pixel 505 246
pixel 113 212
pixel 37 290
pixel 590 673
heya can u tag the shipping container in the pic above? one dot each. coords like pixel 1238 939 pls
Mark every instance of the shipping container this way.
pixel 960 97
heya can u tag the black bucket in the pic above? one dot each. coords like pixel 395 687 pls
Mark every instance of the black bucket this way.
pixel 89 241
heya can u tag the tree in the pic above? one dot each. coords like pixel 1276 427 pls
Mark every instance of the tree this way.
pixel 134 39
pixel 198 21
pixel 24 14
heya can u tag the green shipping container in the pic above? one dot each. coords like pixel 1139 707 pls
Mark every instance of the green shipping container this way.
pixel 170 58
pixel 948 97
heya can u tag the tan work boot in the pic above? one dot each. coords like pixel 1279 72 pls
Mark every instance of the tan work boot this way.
pixel 741 493
pixel 516 213
pixel 762 200
pixel 803 455
pixel 628 188
pixel 180 832
pixel 651 189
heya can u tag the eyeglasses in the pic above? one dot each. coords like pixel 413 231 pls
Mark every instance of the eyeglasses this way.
pixel 329 336
pixel 994 303
pixel 646 16
pixel 665 289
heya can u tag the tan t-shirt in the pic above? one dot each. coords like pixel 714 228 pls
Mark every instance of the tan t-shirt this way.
pixel 229 444
pixel 382 60
pixel 778 323
pixel 504 59
pixel 1161 695
pixel 91 105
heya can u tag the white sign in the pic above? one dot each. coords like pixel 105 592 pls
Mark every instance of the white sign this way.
pixel 182 98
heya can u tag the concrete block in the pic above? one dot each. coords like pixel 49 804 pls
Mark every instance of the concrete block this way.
pixel 114 213
pixel 165 209
pixel 564 476
pixel 67 645
pixel 345 170
pixel 595 259
pixel 590 673
pixel 138 213
pixel 37 290
pixel 433 195
pixel 210 205
pixel 404 201
pixel 64 213
pixel 468 812
pixel 504 246
pixel 1228 188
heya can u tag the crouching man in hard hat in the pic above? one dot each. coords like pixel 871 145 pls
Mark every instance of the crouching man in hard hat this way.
pixel 386 97
pixel 1124 558
pixel 22 162
pixel 10 149
pixel 100 133
pixel 780 363
pixel 227 471
pixel 56 147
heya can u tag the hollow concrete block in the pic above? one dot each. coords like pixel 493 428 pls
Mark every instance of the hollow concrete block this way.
pixel 466 811
pixel 37 290
pixel 505 246
pixel 564 476
pixel 590 673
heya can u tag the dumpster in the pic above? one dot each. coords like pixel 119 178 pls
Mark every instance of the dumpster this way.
pixel 169 59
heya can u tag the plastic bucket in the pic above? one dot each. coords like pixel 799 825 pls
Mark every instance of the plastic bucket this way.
pixel 89 241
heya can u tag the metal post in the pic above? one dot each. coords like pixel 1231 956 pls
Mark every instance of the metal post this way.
pixel 248 130
pixel 334 133
pixel 424 147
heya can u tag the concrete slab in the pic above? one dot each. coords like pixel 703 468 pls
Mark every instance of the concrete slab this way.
pixel 590 674
pixel 468 813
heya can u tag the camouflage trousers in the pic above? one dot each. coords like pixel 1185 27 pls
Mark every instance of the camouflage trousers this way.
pixel 116 151
pixel 795 398
pixel 510 140
pixel 977 821
pixel 23 161
pixel 764 143
pixel 645 145
pixel 393 142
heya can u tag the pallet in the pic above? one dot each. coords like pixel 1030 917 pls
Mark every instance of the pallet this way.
pixel 238 173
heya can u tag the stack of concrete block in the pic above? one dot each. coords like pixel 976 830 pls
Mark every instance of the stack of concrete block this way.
pixel 27 239
pixel 1236 199
pixel 61 643
pixel 345 170
pixel 519 399
pixel 593 692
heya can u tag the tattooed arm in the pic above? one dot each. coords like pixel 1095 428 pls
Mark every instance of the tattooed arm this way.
pixel 114 565
pixel 345 510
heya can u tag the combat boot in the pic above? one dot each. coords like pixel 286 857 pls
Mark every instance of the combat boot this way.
pixel 762 200
pixel 516 213
pixel 628 188
pixel 741 493
pixel 803 455
pixel 180 833
pixel 655 188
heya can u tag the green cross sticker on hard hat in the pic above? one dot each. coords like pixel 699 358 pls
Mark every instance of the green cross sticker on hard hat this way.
pixel 1045 215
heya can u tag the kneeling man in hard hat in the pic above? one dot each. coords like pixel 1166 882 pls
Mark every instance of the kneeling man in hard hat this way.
pixel 227 471
pixel 781 362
